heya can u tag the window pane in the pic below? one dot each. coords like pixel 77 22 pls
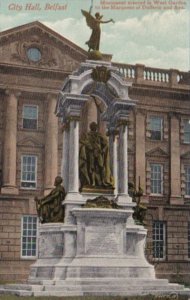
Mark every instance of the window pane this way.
pixel 188 240
pixel 156 128
pixel 187 180
pixel 29 237
pixel 187 131
pixel 158 239
pixel 29 169
pixel 156 178
pixel 30 116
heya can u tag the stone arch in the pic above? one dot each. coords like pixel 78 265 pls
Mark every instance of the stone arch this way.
pixel 81 82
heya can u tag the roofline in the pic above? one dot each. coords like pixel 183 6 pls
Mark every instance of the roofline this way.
pixel 51 31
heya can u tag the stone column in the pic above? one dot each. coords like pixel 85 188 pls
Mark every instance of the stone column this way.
pixel 123 197
pixel 65 160
pixel 175 179
pixel 73 186
pixel 69 108
pixel 114 158
pixel 73 197
pixel 51 144
pixel 10 139
pixel 140 162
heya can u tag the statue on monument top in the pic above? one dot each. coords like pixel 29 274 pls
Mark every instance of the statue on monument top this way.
pixel 94 23
pixel 94 162
pixel 50 208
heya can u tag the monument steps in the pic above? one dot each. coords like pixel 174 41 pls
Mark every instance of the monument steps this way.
pixel 106 288
pixel 112 281
pixel 26 287
pixel 96 287
pixel 15 292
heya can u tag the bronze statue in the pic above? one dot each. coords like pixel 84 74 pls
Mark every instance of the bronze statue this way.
pixel 140 209
pixel 50 208
pixel 101 202
pixel 94 24
pixel 94 164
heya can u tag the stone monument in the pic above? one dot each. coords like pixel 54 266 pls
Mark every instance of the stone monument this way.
pixel 98 249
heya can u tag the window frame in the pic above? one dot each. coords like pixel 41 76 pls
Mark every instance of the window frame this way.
pixel 36 167
pixel 34 58
pixel 32 257
pixel 164 240
pixel 186 132
pixel 188 240
pixel 186 182
pixel 151 117
pixel 37 108
pixel 162 176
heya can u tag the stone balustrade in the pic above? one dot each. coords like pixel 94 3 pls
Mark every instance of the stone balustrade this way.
pixel 141 74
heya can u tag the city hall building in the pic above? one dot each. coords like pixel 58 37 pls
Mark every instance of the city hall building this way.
pixel 34 61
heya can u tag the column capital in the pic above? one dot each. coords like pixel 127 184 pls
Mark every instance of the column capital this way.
pixel 174 115
pixel 52 95
pixel 72 118
pixel 70 105
pixel 9 92
pixel 112 132
pixel 141 111
pixel 122 122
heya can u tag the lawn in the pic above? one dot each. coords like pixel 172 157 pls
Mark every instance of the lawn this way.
pixel 150 297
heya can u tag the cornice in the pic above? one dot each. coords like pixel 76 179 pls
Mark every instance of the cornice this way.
pixel 30 92
pixel 20 70
pixel 160 92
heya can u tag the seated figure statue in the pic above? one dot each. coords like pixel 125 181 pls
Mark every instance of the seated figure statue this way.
pixel 50 208
pixel 94 162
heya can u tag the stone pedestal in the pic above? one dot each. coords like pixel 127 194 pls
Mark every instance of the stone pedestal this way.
pixel 99 255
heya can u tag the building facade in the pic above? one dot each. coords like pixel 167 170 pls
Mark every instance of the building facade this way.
pixel 34 61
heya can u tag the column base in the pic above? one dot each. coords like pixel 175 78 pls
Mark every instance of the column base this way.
pixel 73 197
pixel 125 200
pixel 10 190
pixel 176 200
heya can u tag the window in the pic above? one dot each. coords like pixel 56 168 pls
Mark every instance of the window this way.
pixel 156 125
pixel 29 171
pixel 187 131
pixel 159 239
pixel 187 180
pixel 29 236
pixel 30 116
pixel 34 54
pixel 188 240
pixel 156 179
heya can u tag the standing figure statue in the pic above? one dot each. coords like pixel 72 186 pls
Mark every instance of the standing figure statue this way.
pixel 94 162
pixel 50 208
pixel 94 24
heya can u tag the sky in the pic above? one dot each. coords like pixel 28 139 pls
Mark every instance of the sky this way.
pixel 150 32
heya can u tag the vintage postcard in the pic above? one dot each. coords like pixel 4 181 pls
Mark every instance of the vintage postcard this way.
pixel 95 147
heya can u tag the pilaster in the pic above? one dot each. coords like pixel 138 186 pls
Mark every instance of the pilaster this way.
pixel 10 139
pixel 175 179
pixel 140 162
pixel 51 144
